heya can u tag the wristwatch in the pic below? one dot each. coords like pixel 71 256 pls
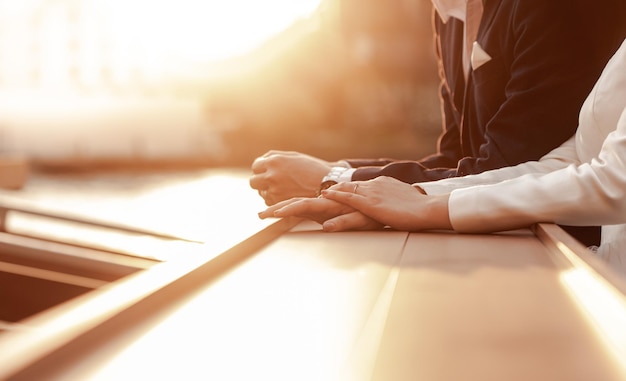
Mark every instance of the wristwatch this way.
pixel 333 177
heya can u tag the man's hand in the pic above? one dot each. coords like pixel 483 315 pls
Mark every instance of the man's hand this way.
pixel 281 175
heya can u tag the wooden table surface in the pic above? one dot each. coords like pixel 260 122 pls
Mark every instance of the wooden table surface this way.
pixel 387 305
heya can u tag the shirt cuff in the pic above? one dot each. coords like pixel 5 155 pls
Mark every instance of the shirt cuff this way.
pixel 346 175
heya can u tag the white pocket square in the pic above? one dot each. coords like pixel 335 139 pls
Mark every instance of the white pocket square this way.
pixel 479 56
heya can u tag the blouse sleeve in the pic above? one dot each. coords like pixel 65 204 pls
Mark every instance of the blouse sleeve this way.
pixel 558 158
pixel 590 193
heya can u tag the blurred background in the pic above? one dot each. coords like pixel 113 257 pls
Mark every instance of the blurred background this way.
pixel 186 83
pixel 148 114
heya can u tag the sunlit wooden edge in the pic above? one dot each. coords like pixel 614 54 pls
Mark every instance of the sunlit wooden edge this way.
pixel 556 239
pixel 57 327
pixel 27 248
pixel 54 276
pixel 8 205
pixel 597 290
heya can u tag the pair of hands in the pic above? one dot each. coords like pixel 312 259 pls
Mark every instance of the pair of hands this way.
pixel 331 213
pixel 368 205
pixel 355 205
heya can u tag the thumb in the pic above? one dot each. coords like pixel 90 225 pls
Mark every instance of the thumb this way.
pixel 351 221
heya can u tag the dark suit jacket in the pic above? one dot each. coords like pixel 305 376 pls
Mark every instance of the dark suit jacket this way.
pixel 546 56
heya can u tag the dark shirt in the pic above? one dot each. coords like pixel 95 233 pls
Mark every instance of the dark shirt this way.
pixel 524 102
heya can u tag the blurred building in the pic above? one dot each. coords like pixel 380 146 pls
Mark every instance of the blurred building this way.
pixel 89 80
pixel 86 81
pixel 367 74
pixel 69 44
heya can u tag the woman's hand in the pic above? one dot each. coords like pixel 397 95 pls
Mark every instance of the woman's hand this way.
pixel 322 210
pixel 390 202
pixel 369 205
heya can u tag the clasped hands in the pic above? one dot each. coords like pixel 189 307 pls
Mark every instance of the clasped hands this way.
pixel 368 205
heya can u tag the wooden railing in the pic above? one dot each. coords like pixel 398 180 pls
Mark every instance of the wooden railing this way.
pixel 294 303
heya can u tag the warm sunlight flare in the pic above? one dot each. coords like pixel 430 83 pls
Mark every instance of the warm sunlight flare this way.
pixel 61 41
pixel 100 82
pixel 216 209
pixel 600 302
pixel 271 316
pixel 208 30
pixel 109 73
pixel 197 30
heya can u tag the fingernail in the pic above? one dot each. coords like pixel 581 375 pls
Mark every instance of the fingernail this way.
pixel 329 226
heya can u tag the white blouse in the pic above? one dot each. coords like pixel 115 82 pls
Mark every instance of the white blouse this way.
pixel 582 182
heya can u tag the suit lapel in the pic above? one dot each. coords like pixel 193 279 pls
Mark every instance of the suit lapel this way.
pixel 490 8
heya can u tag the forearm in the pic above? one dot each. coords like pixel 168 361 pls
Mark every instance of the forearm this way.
pixel 556 197
pixel 436 211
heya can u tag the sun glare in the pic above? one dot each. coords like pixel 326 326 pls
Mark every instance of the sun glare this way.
pixel 217 29
pixel 111 72
pixel 191 31
pixel 55 43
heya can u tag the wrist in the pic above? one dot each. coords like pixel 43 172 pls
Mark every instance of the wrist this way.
pixel 438 212
pixel 336 175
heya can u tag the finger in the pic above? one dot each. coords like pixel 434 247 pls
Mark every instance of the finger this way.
pixel 269 197
pixel 264 193
pixel 269 200
pixel 279 152
pixel 303 207
pixel 258 182
pixel 259 165
pixel 348 186
pixel 349 198
pixel 269 212
pixel 351 221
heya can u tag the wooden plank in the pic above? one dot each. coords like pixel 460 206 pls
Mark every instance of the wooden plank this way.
pixel 310 305
pixel 61 328
pixel 9 326
pixel 53 276
pixel 571 253
pixel 15 205
pixel 486 307
pixel 69 258
pixel 292 311
pixel 598 291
